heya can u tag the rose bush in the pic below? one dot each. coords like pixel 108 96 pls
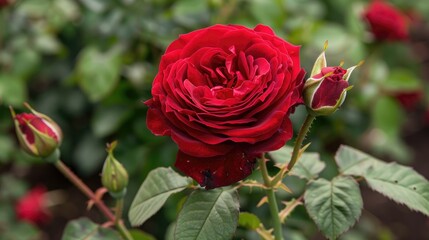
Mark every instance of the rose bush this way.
pixel 387 23
pixel 224 95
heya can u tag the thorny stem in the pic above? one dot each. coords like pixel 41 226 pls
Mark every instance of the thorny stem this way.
pixel 98 202
pixel 299 139
pixel 272 202
pixel 118 222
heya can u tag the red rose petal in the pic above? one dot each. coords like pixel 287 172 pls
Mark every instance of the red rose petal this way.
pixel 217 171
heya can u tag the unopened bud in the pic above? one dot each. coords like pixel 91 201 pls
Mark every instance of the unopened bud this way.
pixel 114 177
pixel 38 134
pixel 326 89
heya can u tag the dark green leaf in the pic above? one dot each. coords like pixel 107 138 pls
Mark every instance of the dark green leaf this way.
pixel 208 215
pixel 155 190
pixel 354 162
pixel 333 205
pixel 308 166
pixel 401 184
pixel 85 229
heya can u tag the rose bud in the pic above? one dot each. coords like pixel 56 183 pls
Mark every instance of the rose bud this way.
pixel 114 177
pixel 38 134
pixel 386 22
pixel 32 206
pixel 224 95
pixel 326 89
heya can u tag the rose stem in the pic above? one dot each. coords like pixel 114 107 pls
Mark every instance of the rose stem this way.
pixel 84 189
pixel 118 222
pixel 299 139
pixel 272 202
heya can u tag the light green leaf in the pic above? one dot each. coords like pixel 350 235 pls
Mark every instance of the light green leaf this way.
pixel 401 184
pixel 98 73
pixel 108 119
pixel 354 162
pixel 402 80
pixel 388 116
pixel 333 205
pixel 191 13
pixel 12 90
pixel 84 229
pixel 140 235
pixel 307 167
pixel 208 215
pixel 155 190
pixel 248 220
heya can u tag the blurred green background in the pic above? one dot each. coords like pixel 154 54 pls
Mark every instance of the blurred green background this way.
pixel 89 65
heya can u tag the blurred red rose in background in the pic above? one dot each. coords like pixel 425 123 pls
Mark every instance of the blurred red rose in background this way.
pixel 32 207
pixel 386 22
pixel 409 100
pixel 224 95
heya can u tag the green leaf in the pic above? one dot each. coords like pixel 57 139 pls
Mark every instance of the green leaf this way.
pixel 388 116
pixel 354 162
pixel 98 73
pixel 402 80
pixel 208 215
pixel 248 220
pixel 307 167
pixel 108 119
pixel 333 205
pixel 401 184
pixel 191 13
pixel 155 190
pixel 12 90
pixel 140 235
pixel 85 229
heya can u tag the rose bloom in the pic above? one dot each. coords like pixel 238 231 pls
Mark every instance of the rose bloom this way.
pixel 409 100
pixel 386 22
pixel 31 207
pixel 224 95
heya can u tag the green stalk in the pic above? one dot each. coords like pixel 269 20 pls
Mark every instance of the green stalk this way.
pixel 118 222
pixel 272 201
pixel 299 139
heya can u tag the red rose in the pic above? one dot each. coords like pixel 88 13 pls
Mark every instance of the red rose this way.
pixel 386 22
pixel 224 95
pixel 408 100
pixel 4 3
pixel 32 207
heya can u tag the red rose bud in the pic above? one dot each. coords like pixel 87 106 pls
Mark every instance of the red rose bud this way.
pixel 32 207
pixel 38 134
pixel 224 94
pixel 114 177
pixel 386 22
pixel 326 90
